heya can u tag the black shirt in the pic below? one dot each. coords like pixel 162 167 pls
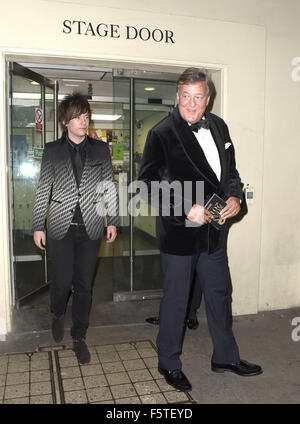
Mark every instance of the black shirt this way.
pixel 77 169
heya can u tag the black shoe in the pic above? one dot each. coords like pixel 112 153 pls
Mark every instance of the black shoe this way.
pixel 58 328
pixel 81 351
pixel 176 379
pixel 153 320
pixel 193 324
pixel 243 368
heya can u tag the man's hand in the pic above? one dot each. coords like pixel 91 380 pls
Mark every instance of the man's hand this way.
pixel 199 214
pixel 232 208
pixel 39 239
pixel 111 233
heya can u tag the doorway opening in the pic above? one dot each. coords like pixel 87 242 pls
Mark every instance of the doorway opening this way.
pixel 125 104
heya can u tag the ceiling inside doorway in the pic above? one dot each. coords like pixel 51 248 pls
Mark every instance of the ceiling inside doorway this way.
pixel 110 93
pixel 77 79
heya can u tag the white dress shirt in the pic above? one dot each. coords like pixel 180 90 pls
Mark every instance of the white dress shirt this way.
pixel 210 150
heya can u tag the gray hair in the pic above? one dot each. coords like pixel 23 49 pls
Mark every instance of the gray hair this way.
pixel 194 75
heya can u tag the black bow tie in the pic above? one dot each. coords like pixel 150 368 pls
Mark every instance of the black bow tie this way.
pixel 203 123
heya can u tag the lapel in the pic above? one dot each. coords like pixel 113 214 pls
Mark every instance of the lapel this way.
pixel 66 161
pixel 193 149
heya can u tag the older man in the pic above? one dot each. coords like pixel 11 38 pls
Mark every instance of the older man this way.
pixel 194 145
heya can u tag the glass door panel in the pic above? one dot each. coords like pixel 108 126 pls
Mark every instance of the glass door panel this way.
pixel 154 100
pixel 136 260
pixel 49 135
pixel 121 162
pixel 49 114
pixel 27 131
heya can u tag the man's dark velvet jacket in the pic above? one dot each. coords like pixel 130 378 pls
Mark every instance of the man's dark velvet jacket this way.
pixel 173 153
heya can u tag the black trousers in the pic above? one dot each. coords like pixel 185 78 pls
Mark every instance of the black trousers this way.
pixel 213 273
pixel 195 298
pixel 73 263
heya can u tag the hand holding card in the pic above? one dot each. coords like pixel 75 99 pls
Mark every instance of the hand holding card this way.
pixel 215 205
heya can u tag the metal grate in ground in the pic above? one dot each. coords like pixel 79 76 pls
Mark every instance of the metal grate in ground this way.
pixel 124 373
pixel 27 378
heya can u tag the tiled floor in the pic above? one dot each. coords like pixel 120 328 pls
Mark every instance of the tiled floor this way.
pixel 124 373
pixel 27 378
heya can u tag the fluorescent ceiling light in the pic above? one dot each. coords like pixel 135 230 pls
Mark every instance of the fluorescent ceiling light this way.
pixel 67 67
pixel 26 95
pixel 97 117
pixel 35 83
pixel 74 80
pixel 71 85
pixel 149 89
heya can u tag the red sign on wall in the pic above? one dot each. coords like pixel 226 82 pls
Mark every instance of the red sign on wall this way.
pixel 38 119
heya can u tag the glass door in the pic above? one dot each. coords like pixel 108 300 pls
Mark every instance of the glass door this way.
pixel 121 155
pixel 140 103
pixel 32 100
pixel 153 101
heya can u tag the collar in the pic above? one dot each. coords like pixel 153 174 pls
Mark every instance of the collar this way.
pixel 74 145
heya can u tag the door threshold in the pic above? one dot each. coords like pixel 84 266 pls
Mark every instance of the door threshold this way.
pixel 137 295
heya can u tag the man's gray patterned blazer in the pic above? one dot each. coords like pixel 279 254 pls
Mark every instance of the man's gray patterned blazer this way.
pixel 57 187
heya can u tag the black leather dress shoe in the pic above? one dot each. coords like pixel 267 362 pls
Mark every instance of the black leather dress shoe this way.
pixel 81 351
pixel 58 328
pixel 177 379
pixel 244 368
pixel 193 324
pixel 153 320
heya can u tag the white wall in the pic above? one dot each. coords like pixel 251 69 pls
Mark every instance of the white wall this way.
pixel 253 43
pixel 5 277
